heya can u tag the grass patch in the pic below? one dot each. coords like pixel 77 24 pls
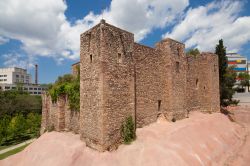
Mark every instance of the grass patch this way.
pixel 5 146
pixel 11 152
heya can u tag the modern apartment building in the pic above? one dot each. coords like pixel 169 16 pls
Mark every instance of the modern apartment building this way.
pixel 30 88
pixel 14 75
pixel 17 78
pixel 237 60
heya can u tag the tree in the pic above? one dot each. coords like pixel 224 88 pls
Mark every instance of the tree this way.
pixel 244 79
pixel 34 123
pixel 193 52
pixel 4 123
pixel 226 76
pixel 67 85
pixel 17 126
pixel 16 102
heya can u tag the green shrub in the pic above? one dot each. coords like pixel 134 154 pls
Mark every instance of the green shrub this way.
pixel 51 128
pixel 128 130
pixel 67 85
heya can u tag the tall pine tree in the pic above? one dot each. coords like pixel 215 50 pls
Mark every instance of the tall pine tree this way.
pixel 226 76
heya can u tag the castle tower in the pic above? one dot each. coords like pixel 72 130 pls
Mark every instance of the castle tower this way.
pixel 106 84
pixel 173 56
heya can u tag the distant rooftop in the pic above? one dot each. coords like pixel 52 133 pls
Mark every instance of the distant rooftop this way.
pixel 235 55
pixel 12 68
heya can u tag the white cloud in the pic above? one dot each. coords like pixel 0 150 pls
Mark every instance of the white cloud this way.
pixel 44 30
pixel 202 27
pixel 41 27
pixel 141 16
pixel 3 40
pixel 18 60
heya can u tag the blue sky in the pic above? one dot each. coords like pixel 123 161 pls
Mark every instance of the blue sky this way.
pixel 47 33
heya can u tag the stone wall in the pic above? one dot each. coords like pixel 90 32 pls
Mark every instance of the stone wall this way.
pixel 58 116
pixel 151 87
pixel 203 83
pixel 174 56
pixel 91 88
pixel 120 78
pixel 107 85
pixel 75 69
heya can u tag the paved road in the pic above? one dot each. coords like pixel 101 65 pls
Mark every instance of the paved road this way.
pixel 243 97
pixel 17 146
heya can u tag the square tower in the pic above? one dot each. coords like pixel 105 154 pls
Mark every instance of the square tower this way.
pixel 173 55
pixel 106 84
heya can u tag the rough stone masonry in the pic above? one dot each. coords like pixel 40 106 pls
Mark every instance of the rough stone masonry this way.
pixel 121 78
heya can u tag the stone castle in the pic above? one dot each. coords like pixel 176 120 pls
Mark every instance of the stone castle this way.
pixel 120 78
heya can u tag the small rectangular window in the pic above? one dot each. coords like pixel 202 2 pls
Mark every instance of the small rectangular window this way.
pixel 159 105
pixel 91 58
pixel 179 51
pixel 177 67
pixel 119 58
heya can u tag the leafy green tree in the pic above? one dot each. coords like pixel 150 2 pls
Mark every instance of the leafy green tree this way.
pixel 193 52
pixel 4 123
pixel 226 76
pixel 33 123
pixel 244 79
pixel 17 126
pixel 16 102
pixel 69 86
pixel 67 78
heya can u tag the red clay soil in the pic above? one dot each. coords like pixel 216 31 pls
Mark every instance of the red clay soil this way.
pixel 202 139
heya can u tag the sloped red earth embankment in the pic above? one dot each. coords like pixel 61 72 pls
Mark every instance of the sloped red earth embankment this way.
pixel 202 139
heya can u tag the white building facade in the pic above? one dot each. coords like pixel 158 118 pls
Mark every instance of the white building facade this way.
pixel 238 61
pixel 18 79
pixel 30 88
pixel 14 75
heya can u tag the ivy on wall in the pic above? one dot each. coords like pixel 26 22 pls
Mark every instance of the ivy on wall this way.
pixel 67 85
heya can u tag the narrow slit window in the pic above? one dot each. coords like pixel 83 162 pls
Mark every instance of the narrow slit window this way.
pixel 177 67
pixel 119 58
pixel 178 51
pixel 197 83
pixel 159 105
pixel 91 58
